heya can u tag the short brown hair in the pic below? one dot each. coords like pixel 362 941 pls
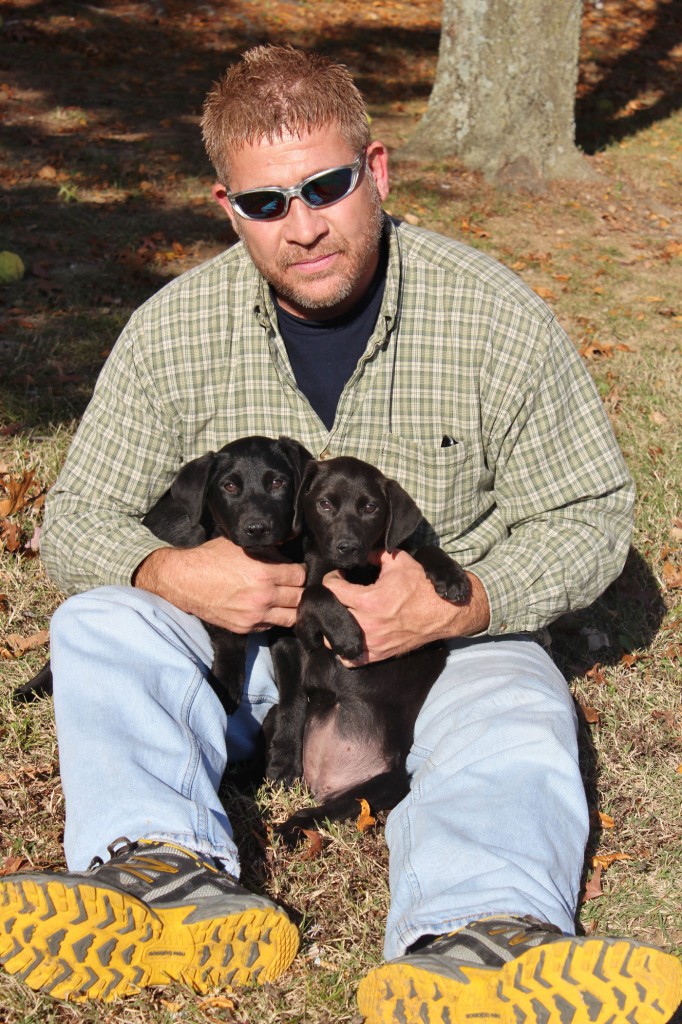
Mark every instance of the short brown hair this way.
pixel 275 90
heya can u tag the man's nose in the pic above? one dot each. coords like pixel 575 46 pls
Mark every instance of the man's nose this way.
pixel 302 224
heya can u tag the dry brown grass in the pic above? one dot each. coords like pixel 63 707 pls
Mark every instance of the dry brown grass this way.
pixel 607 253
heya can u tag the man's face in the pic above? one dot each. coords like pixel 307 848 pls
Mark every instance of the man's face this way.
pixel 319 262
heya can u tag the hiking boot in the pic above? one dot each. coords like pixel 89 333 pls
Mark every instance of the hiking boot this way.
pixel 153 914
pixel 517 970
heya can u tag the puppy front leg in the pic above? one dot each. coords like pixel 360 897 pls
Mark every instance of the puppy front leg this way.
pixel 228 668
pixel 448 577
pixel 320 615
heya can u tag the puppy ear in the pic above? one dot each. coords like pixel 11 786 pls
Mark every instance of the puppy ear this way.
pixel 404 515
pixel 188 489
pixel 297 455
pixel 309 474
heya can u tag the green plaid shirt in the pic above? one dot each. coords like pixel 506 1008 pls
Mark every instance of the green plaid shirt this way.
pixel 533 494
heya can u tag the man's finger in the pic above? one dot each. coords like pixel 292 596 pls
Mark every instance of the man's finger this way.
pixel 288 597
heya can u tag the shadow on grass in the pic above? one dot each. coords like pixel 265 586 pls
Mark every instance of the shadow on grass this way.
pixel 628 617
pixel 647 67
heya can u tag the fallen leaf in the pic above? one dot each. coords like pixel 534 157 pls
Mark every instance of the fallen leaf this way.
pixel 606 820
pixel 669 717
pixel 593 888
pixel 545 293
pixel 11 864
pixel 9 535
pixel 591 714
pixel 17 489
pixel 596 674
pixel 365 819
pixel 313 847
pixel 594 349
pixel 658 418
pixel 18 645
pixel 218 1001
pixel 605 860
pixel 672 576
pixel 629 660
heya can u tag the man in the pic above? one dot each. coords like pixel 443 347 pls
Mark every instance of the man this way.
pixel 355 335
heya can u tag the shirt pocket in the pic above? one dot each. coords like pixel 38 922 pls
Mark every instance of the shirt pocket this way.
pixel 442 481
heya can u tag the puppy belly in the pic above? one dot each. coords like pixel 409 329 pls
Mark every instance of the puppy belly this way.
pixel 334 760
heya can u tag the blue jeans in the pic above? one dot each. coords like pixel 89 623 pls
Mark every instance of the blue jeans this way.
pixel 495 822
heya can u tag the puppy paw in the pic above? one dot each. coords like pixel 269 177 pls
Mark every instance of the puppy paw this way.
pixel 350 648
pixel 283 768
pixel 453 586
pixel 292 829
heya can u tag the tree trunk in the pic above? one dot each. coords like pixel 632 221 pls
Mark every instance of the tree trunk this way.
pixel 504 95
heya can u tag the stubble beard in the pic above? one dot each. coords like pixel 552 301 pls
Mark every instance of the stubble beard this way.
pixel 360 252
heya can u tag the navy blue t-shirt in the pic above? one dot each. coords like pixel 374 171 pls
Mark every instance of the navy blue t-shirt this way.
pixel 324 353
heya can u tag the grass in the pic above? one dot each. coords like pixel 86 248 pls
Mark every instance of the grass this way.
pixel 124 208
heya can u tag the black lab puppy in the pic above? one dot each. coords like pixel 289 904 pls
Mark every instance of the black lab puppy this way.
pixel 245 492
pixel 349 731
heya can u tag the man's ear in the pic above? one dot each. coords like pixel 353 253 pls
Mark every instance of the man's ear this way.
pixel 309 474
pixel 219 193
pixel 403 515
pixel 377 163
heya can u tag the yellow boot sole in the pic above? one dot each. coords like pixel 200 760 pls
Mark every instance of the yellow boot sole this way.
pixel 77 941
pixel 584 981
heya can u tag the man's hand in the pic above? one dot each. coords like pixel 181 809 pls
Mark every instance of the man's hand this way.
pixel 402 611
pixel 220 583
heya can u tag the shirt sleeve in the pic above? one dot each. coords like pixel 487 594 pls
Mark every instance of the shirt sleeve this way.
pixel 563 491
pixel 122 457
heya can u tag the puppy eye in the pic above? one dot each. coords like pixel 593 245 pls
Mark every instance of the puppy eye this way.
pixel 278 483
pixel 370 507
pixel 324 504
pixel 230 486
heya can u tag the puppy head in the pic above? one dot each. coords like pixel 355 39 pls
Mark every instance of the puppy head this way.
pixel 350 508
pixel 252 490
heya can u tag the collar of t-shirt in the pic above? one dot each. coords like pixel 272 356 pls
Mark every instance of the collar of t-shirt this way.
pixel 324 353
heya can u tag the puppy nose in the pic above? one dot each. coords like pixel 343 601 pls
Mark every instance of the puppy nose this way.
pixel 257 529
pixel 347 546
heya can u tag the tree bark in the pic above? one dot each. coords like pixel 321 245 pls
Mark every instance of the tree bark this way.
pixel 504 94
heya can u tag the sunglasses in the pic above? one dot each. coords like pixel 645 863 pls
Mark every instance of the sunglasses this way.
pixel 319 190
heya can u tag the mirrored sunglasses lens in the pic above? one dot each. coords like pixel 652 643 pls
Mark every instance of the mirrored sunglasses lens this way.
pixel 261 205
pixel 328 188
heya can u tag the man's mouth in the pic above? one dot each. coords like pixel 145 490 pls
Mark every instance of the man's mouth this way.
pixel 315 264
